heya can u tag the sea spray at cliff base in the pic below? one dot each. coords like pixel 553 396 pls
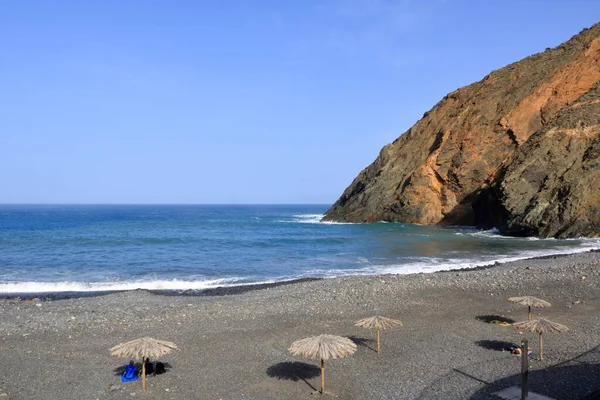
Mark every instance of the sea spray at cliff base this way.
pixel 95 248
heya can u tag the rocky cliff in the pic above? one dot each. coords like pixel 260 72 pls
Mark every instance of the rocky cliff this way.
pixel 518 150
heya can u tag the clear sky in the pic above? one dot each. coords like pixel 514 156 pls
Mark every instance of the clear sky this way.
pixel 246 101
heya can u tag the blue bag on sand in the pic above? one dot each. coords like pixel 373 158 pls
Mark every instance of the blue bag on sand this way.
pixel 130 374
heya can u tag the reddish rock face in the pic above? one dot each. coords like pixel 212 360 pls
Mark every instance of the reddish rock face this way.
pixel 517 150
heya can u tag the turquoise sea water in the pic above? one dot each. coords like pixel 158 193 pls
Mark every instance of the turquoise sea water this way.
pixel 52 248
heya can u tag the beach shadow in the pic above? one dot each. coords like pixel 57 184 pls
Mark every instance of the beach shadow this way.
pixel 363 342
pixel 573 378
pixel 577 381
pixel 489 319
pixel 119 370
pixel 498 345
pixel 581 358
pixel 294 371
pixel 167 366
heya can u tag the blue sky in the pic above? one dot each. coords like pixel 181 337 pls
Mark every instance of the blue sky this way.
pixel 237 101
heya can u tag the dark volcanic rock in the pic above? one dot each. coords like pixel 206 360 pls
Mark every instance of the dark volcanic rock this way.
pixel 551 187
pixel 518 150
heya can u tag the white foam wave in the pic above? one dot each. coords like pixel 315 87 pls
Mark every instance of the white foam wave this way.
pixel 494 233
pixel 53 287
pixel 434 265
pixel 422 265
pixel 312 219
pixel 309 216
pixel 489 234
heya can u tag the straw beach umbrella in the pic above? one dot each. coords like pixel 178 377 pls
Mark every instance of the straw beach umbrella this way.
pixel 540 326
pixel 324 347
pixel 530 301
pixel 143 348
pixel 378 323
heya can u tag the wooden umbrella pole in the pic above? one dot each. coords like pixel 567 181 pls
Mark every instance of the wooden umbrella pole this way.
pixel 378 347
pixel 541 347
pixel 322 375
pixel 529 315
pixel 144 374
pixel 524 369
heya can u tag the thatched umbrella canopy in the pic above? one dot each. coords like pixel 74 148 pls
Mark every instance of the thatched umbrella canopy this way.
pixel 379 323
pixel 540 326
pixel 143 349
pixel 324 347
pixel 530 301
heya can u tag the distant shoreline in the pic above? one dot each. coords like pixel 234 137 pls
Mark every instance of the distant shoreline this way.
pixel 216 291
pixel 244 288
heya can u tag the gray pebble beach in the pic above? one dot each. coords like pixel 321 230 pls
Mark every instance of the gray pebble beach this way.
pixel 234 345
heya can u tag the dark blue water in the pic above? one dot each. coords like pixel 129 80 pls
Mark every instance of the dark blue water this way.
pixel 46 248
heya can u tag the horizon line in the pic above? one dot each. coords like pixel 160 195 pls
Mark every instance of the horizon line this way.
pixel 166 204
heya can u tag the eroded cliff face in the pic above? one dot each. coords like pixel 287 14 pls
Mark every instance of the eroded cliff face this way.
pixel 551 187
pixel 517 150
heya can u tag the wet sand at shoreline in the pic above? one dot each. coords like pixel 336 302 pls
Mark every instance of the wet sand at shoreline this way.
pixel 233 343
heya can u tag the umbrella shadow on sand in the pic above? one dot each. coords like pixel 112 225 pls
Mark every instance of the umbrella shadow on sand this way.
pixel 498 345
pixel 364 342
pixel 489 319
pixel 294 371
pixel 119 370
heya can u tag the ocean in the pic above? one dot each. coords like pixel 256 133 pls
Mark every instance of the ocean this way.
pixel 94 248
